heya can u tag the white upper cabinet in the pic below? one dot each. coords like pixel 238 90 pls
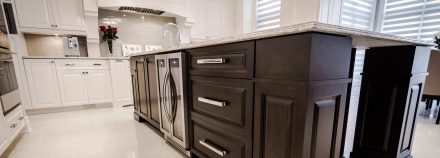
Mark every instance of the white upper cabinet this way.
pixel 99 86
pixel 90 6
pixel 73 87
pixel 51 14
pixel 43 84
pixel 213 18
pixel 68 14
pixel 34 13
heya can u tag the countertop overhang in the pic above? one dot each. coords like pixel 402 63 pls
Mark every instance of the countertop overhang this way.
pixel 361 38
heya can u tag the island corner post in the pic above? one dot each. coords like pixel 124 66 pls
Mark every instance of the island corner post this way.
pixel 392 85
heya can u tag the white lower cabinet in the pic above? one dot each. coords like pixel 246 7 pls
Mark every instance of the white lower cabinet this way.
pixel 62 82
pixel 73 87
pixel 121 82
pixel 43 83
pixel 99 86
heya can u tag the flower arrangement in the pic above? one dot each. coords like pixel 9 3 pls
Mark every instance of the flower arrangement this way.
pixel 437 40
pixel 109 34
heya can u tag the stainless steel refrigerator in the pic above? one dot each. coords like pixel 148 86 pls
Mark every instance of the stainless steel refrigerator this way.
pixel 173 108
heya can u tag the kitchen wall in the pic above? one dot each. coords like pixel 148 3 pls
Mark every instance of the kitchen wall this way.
pixel 134 29
pixel 50 45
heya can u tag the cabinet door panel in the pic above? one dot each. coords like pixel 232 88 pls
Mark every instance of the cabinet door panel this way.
pixel 199 13
pixel 68 14
pixel 121 81
pixel 34 13
pixel 153 89
pixel 99 86
pixel 73 87
pixel 43 83
pixel 142 80
pixel 214 18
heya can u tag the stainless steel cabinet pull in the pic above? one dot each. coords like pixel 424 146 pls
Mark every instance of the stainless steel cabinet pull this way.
pixel 212 148
pixel 21 118
pixel 70 64
pixel 96 64
pixel 212 102
pixel 211 61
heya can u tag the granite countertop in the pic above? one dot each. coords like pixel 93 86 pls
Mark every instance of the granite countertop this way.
pixel 81 58
pixel 361 38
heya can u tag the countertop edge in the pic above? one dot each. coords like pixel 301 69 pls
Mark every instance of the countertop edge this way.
pixel 360 37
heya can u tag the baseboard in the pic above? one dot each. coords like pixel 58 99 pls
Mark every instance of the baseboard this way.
pixel 67 108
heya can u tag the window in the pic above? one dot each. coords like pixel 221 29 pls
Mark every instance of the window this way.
pixel 417 19
pixel 268 14
pixel 358 13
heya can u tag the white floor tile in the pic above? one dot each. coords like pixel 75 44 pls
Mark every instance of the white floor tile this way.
pixel 95 133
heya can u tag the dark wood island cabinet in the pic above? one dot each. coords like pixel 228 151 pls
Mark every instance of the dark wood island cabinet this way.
pixel 145 98
pixel 284 93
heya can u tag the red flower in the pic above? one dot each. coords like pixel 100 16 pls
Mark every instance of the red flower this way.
pixel 102 28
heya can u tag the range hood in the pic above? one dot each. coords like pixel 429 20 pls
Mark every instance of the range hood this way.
pixel 141 10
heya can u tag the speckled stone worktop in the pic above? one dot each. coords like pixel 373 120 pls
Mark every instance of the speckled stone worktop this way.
pixel 361 38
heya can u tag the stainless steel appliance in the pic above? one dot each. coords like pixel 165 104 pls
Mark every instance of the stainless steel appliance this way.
pixel 71 46
pixel 173 109
pixel 9 94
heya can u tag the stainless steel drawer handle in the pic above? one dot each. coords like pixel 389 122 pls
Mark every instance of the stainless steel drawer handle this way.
pixel 21 118
pixel 70 64
pixel 212 102
pixel 211 61
pixel 97 64
pixel 212 148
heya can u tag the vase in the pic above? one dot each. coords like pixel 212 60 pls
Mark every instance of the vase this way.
pixel 110 46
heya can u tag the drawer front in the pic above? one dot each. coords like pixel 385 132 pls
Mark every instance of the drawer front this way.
pixel 81 64
pixel 229 100
pixel 230 60
pixel 214 144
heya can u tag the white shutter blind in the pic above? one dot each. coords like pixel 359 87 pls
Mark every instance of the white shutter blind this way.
pixel 268 14
pixel 417 19
pixel 358 13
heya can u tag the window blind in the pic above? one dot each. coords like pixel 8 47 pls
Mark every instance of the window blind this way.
pixel 268 14
pixel 358 13
pixel 417 19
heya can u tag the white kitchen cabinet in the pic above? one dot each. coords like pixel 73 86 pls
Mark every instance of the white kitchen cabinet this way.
pixel 43 83
pixel 121 81
pixel 68 14
pixel 99 86
pixel 213 18
pixel 73 87
pixel 3 134
pixel 51 14
pixel 34 13
pixel 90 7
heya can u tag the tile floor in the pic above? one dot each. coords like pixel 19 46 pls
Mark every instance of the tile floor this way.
pixel 96 133
pixel 113 133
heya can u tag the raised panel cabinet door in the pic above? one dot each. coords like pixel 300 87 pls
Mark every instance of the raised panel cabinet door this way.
pixel 99 86
pixel 214 18
pixel 153 89
pixel 228 17
pixel 121 81
pixel 199 10
pixel 90 5
pixel 34 13
pixel 43 83
pixel 68 14
pixel 73 87
pixel 142 89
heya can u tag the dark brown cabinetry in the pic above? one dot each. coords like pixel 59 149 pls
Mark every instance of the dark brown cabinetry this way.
pixel 146 103
pixel 222 101
pixel 286 97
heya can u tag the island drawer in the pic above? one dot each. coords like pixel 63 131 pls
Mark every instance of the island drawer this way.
pixel 211 143
pixel 234 60
pixel 225 99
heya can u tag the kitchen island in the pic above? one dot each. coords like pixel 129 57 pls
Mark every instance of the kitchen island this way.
pixel 285 92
